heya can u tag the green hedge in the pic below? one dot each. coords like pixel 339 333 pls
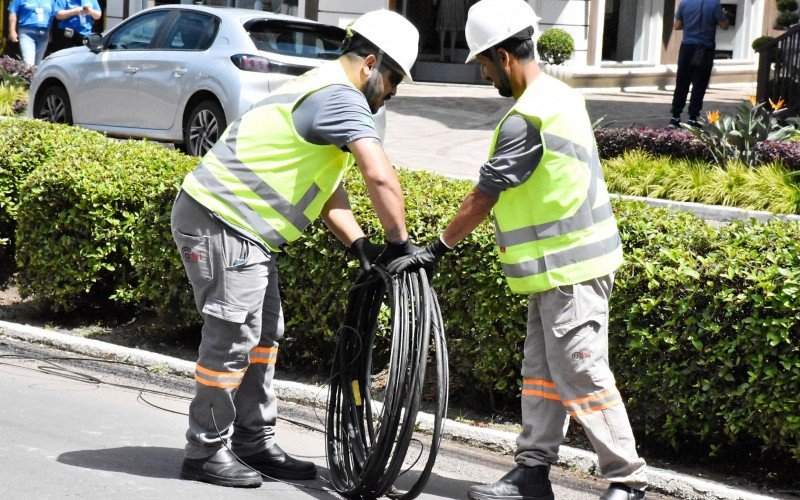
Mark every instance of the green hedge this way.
pixel 24 145
pixel 78 214
pixel 704 321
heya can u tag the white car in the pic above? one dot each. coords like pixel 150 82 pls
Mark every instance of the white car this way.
pixel 178 73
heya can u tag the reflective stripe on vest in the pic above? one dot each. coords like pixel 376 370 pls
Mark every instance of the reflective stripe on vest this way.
pixel 585 217
pixel 262 176
pixel 563 258
pixel 557 227
pixel 224 151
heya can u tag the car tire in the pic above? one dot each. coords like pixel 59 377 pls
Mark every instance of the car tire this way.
pixel 54 106
pixel 203 126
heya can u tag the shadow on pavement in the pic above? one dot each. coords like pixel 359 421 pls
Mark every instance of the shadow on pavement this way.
pixel 148 461
pixel 439 486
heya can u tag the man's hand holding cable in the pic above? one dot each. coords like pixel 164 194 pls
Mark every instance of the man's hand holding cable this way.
pixel 425 258
pixel 365 251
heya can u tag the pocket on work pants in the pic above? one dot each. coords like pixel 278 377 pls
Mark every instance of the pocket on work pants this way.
pixel 196 257
pixel 572 306
pixel 244 276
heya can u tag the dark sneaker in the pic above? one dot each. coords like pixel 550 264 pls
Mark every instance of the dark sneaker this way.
pixel 522 483
pixel 222 469
pixel 275 463
pixel 674 122
pixel 695 123
pixel 619 491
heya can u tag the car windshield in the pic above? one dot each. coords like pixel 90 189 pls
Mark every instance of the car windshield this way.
pixel 296 39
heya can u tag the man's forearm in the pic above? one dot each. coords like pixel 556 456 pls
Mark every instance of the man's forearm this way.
pixel 383 187
pixel 474 209
pixel 338 217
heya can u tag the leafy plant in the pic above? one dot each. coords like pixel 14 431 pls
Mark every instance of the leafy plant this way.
pixel 786 5
pixel 11 70
pixel 786 19
pixel 765 187
pixel 555 46
pixel 680 144
pixel 10 97
pixel 735 137
pixel 761 41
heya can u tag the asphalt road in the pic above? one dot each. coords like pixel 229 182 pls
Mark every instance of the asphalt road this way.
pixel 94 429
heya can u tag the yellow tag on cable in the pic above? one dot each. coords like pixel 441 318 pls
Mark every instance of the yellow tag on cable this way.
pixel 356 392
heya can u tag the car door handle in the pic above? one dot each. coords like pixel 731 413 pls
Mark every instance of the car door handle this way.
pixel 130 70
pixel 179 71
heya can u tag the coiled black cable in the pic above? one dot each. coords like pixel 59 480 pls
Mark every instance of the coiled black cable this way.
pixel 366 451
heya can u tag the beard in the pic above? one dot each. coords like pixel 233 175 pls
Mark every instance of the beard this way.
pixel 374 97
pixel 504 88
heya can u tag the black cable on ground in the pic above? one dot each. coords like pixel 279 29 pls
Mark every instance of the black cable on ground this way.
pixel 366 451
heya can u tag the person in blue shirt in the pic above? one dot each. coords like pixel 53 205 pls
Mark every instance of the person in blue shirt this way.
pixel 76 19
pixel 28 23
pixel 698 19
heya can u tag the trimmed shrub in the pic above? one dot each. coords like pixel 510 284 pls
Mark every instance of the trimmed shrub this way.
pixel 555 46
pixel 77 216
pixel 708 326
pixel 786 5
pixel 24 145
pixel 786 19
pixel 679 144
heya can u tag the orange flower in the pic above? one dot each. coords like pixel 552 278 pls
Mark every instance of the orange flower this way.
pixel 713 116
pixel 752 99
pixel 776 105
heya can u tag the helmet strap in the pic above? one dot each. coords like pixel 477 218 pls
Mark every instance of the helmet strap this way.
pixel 373 79
pixel 501 73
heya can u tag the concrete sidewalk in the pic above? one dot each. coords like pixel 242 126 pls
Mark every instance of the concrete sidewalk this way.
pixel 447 128
pixel 661 480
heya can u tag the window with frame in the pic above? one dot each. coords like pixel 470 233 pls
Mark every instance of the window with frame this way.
pixel 137 34
pixel 192 31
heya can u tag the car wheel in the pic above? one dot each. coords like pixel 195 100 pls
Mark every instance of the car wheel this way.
pixel 54 106
pixel 205 124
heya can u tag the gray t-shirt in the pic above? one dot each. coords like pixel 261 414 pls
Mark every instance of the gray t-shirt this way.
pixel 516 156
pixel 336 115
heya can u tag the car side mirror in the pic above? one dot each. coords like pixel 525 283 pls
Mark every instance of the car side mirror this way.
pixel 94 42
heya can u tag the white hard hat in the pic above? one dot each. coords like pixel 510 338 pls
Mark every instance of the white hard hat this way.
pixel 489 22
pixel 393 34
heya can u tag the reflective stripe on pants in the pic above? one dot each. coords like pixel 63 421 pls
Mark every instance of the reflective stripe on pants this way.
pixel 565 373
pixel 235 286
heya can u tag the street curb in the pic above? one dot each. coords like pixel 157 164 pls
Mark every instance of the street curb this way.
pixel 661 480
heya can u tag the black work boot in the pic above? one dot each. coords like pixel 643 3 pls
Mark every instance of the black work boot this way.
pixel 222 469
pixel 619 491
pixel 275 463
pixel 522 483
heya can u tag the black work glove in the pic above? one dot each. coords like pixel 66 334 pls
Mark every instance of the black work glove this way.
pixel 425 258
pixel 394 251
pixel 365 251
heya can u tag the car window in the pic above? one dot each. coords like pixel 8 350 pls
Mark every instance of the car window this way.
pixel 296 39
pixel 138 33
pixel 192 31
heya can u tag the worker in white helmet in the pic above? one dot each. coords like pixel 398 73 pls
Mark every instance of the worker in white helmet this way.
pixel 558 243
pixel 273 171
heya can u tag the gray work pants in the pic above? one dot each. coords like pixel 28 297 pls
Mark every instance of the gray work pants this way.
pixel 235 286
pixel 565 373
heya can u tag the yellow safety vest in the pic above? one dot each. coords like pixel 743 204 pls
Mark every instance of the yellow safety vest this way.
pixel 262 176
pixel 557 228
